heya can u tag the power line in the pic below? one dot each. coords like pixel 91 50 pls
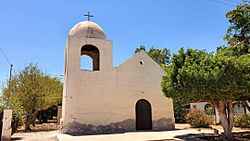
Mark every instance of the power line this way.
pixel 6 58
pixel 223 3
pixel 11 67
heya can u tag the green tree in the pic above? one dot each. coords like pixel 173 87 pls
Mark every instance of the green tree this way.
pixel 140 48
pixel 196 75
pixel 180 110
pixel 160 56
pixel 238 33
pixel 35 91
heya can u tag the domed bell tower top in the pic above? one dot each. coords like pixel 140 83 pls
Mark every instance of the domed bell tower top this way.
pixel 87 29
pixel 87 38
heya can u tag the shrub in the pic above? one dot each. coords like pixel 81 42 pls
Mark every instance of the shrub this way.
pixel 17 110
pixel 197 118
pixel 242 120
pixel 180 110
pixel 209 111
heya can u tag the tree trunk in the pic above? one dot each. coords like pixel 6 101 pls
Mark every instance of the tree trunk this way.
pixel 33 118
pixel 246 105
pixel 27 121
pixel 225 110
pixel 230 116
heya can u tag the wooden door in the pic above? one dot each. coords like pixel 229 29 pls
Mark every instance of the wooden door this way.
pixel 143 115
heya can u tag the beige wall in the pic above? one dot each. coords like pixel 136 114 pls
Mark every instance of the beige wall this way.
pixel 198 105
pixel 109 95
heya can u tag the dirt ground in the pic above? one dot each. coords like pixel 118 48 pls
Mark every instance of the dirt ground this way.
pixel 49 132
pixel 218 127
pixel 238 133
pixel 41 132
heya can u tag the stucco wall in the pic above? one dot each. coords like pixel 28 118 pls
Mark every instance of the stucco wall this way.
pixel 104 101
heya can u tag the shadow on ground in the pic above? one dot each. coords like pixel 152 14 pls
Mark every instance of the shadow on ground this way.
pixel 41 128
pixel 16 138
pixel 239 136
pixel 37 130
pixel 164 140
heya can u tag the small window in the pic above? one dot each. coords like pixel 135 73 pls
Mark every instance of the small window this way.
pixel 141 62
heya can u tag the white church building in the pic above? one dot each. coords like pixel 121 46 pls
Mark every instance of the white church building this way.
pixel 109 99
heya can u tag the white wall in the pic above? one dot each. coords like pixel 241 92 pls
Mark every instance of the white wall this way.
pixel 109 95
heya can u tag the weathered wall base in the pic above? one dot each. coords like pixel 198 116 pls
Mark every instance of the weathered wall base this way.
pixel 163 124
pixel 76 128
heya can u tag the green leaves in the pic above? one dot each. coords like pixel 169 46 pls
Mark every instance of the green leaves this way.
pixel 196 75
pixel 238 34
pixel 34 89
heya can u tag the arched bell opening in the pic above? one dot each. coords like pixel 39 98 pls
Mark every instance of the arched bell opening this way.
pixel 93 53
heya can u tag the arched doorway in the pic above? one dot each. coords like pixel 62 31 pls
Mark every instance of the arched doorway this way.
pixel 143 115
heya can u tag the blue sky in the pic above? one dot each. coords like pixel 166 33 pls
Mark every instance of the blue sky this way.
pixel 35 31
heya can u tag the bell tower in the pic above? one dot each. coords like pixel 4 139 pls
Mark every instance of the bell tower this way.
pixel 85 39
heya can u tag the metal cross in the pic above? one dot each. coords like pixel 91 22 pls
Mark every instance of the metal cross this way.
pixel 89 16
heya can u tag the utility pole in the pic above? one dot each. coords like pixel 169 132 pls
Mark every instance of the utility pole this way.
pixel 10 77
pixel 11 65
